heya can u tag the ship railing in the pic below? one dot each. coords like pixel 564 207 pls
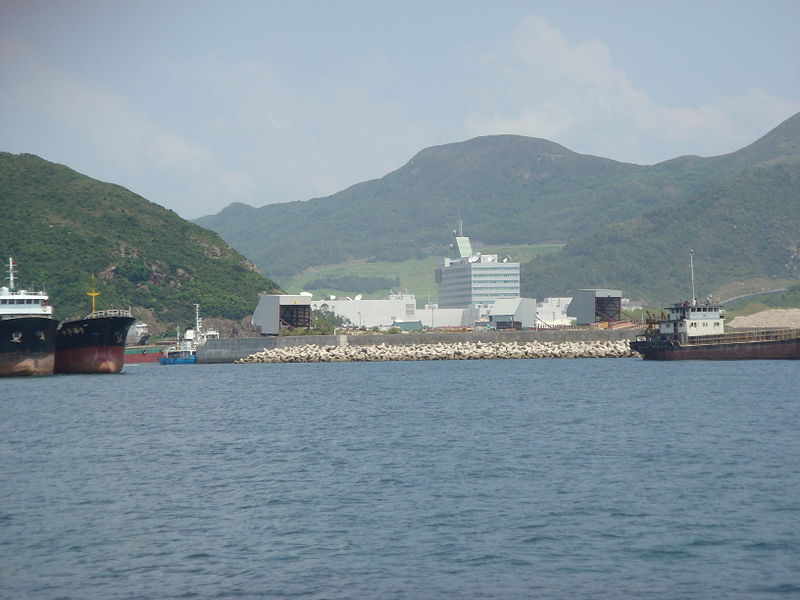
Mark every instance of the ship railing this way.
pixel 762 335
pixel 109 313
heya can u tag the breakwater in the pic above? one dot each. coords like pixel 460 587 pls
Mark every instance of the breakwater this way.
pixel 442 351
pixel 229 350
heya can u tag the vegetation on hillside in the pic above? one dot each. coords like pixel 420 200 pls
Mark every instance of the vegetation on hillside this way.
pixel 367 285
pixel 61 227
pixel 507 189
pixel 746 227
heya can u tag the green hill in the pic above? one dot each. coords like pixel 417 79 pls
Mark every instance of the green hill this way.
pixel 61 227
pixel 745 228
pixel 508 190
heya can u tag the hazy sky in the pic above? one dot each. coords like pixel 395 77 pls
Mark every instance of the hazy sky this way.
pixel 197 104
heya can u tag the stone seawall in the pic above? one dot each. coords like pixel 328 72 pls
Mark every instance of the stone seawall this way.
pixel 441 351
pixel 230 350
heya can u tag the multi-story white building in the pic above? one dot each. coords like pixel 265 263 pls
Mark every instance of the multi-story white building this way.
pixel 475 278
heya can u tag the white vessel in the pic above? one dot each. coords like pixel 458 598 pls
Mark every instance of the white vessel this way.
pixel 27 330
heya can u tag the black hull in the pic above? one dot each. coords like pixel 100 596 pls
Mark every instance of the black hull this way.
pixel 757 350
pixel 95 345
pixel 27 346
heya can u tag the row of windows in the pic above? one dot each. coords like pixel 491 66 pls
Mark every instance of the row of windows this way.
pixel 21 301
pixel 487 285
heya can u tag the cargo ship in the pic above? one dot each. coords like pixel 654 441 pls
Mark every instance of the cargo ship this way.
pixel 95 343
pixel 27 330
pixel 691 331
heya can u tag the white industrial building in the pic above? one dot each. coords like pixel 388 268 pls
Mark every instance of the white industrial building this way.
pixel 552 312
pixel 591 306
pixel 276 311
pixel 474 290
pixel 394 309
pixel 372 313
pixel 513 313
pixel 474 278
pixel 285 310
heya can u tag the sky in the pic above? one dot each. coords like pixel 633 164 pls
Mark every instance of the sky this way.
pixel 198 104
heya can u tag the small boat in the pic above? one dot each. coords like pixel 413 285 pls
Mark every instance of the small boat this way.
pixel 27 330
pixel 692 331
pixel 95 343
pixel 184 352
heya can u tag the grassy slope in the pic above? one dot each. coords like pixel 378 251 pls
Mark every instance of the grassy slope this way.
pixel 416 275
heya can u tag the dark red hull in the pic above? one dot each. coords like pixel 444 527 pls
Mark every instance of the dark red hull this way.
pixel 760 350
pixel 92 359
pixel 95 345
pixel 143 354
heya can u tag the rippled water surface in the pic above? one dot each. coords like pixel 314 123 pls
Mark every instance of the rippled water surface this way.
pixel 482 479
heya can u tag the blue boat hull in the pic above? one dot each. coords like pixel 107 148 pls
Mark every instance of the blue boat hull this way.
pixel 178 360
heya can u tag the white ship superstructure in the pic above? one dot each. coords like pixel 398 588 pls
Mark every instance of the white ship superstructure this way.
pixel 22 303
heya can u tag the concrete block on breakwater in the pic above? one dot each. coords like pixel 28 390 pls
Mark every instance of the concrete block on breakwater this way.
pixel 232 349
pixel 441 351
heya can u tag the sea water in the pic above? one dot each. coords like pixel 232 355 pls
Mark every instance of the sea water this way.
pixel 604 478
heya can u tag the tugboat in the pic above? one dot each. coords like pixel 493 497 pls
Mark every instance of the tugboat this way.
pixel 94 344
pixel 184 352
pixel 692 331
pixel 27 330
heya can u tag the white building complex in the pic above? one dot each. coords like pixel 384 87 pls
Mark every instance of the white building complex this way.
pixel 474 290
pixel 394 310
pixel 475 279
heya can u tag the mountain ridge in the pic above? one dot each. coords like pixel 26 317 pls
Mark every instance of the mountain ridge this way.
pixel 508 189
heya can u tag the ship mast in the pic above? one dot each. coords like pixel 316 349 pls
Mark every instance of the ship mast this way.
pixel 94 293
pixel 691 269
pixel 11 273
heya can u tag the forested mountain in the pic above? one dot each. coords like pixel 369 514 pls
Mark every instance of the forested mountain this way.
pixel 508 190
pixel 61 227
pixel 744 228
